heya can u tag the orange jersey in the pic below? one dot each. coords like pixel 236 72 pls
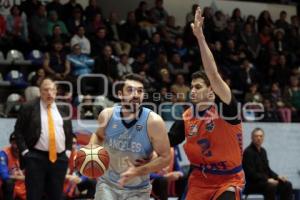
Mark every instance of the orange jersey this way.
pixel 214 147
pixel 212 142
pixel 14 168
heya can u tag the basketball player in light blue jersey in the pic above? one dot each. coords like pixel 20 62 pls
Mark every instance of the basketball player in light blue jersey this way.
pixel 130 133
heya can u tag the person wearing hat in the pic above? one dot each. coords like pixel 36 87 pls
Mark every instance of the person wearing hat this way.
pixel 11 175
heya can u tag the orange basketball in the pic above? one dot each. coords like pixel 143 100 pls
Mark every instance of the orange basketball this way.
pixel 92 161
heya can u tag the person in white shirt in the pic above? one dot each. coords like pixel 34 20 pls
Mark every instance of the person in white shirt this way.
pixel 79 38
pixel 44 137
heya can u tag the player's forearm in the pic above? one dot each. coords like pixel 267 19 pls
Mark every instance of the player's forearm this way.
pixel 155 165
pixel 208 60
pixel 95 139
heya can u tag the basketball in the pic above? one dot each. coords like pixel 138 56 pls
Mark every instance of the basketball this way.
pixel 92 161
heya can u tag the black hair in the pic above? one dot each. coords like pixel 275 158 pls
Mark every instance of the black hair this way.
pixel 130 76
pixel 201 74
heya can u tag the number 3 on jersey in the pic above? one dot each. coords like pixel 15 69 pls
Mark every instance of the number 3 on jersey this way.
pixel 205 145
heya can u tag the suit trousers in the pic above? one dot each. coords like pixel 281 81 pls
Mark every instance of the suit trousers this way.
pixel 44 177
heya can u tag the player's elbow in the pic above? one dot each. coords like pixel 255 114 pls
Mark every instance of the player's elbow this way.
pixel 166 159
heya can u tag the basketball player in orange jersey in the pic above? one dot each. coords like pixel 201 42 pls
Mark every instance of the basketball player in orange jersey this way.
pixel 212 130
pixel 130 133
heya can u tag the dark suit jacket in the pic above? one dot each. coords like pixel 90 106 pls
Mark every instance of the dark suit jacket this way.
pixel 28 125
pixel 256 166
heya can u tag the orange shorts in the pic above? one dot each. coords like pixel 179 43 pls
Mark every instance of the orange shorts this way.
pixel 210 186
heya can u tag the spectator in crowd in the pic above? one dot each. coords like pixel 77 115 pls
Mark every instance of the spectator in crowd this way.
pixel 191 15
pixel 180 48
pixel 68 9
pixel 123 66
pixel 281 22
pixel 253 95
pixel 143 18
pixel 76 185
pixel 237 18
pixel 270 113
pixel 180 89
pixel 80 39
pixel 106 64
pixel 17 30
pixel 40 75
pixel 161 62
pixel 55 62
pixel 159 14
pixel 94 24
pixel 279 102
pixel 264 20
pixel 177 66
pixel 2 32
pixel 99 41
pixel 142 13
pixel 114 34
pixel 140 63
pixel 165 78
pixel 130 30
pixel 53 21
pixel 30 8
pixel 154 47
pixel 74 20
pixel 78 62
pixel 251 40
pixel 171 30
pixel 12 177
pixel 279 42
pixel 292 96
pixel 247 75
pixel 252 21
pixel 87 110
pixel 38 27
pixel 220 23
pixel 92 10
pixel 58 35
pixel 260 178
pixel 56 6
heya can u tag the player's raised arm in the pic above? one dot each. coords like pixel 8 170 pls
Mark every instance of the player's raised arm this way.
pixel 217 83
pixel 98 136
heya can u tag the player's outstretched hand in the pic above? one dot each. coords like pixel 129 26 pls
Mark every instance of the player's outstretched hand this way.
pixel 129 174
pixel 198 23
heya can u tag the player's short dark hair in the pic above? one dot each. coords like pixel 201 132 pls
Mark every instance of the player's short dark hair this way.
pixel 257 129
pixel 201 74
pixel 130 76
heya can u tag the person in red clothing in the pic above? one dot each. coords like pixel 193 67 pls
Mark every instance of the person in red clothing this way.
pixel 12 177
pixel 77 185
pixel 212 130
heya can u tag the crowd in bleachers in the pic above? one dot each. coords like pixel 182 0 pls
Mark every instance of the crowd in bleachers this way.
pixel 258 57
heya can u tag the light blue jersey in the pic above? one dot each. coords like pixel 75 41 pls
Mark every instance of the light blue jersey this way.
pixel 127 141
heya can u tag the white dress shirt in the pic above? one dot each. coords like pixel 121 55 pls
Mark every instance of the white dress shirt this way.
pixel 60 138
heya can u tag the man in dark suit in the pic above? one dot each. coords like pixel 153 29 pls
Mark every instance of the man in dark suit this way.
pixel 260 178
pixel 44 138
